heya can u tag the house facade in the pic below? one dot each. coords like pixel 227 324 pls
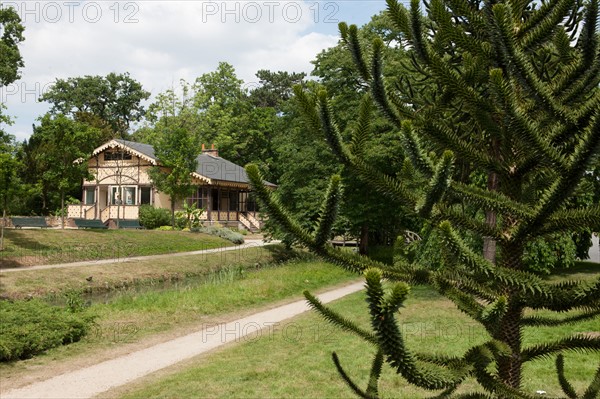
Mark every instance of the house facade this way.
pixel 121 184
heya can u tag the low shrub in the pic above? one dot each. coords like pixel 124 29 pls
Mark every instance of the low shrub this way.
pixel 554 252
pixel 189 217
pixel 222 232
pixel 241 231
pixel 152 218
pixel 31 327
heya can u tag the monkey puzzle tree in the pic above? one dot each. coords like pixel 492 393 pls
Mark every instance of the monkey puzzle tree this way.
pixel 517 100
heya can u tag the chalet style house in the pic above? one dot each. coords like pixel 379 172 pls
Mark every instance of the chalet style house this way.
pixel 121 184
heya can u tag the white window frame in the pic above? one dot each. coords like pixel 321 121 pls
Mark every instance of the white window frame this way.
pixel 121 190
pixel 85 195
pixel 139 194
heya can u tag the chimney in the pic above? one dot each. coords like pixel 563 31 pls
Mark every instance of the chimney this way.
pixel 212 151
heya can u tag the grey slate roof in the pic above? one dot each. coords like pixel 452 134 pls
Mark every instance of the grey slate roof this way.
pixel 215 168
pixel 145 149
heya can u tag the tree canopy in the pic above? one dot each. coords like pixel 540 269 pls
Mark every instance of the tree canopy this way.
pixel 177 150
pixel 303 159
pixel 115 100
pixel 11 35
pixel 63 147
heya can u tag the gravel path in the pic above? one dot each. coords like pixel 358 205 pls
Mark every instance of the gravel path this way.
pixel 246 244
pixel 93 380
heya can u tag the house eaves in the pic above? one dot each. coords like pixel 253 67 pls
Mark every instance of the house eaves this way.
pixel 143 151
pixel 210 169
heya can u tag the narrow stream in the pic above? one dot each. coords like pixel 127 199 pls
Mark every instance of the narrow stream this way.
pixel 222 276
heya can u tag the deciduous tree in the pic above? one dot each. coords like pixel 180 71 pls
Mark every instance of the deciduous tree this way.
pixel 11 35
pixel 176 150
pixel 9 180
pixel 63 146
pixel 115 99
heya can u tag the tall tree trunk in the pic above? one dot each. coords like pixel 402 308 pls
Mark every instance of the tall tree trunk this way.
pixel 44 200
pixel 118 209
pixel 173 212
pixel 364 239
pixel 2 231
pixel 62 210
pixel 509 367
pixel 489 244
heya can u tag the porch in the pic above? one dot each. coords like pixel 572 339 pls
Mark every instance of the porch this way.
pixel 89 212
pixel 230 206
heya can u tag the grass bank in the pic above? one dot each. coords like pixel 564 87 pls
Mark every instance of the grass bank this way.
pixel 32 247
pixel 124 274
pixel 135 319
pixel 155 311
pixel 295 359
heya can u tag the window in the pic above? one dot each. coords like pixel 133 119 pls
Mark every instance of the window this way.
pixel 215 199
pixel 129 195
pixel 123 196
pixel 116 155
pixel 243 199
pixel 145 195
pixel 203 200
pixel 252 205
pixel 199 198
pixel 233 200
pixel 89 197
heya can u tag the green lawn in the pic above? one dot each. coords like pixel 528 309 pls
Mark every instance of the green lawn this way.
pixel 133 316
pixel 296 359
pixel 47 246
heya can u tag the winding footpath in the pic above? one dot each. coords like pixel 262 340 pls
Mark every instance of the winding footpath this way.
pixel 90 381
pixel 246 245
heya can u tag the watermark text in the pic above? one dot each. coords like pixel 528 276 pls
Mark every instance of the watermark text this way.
pixel 126 12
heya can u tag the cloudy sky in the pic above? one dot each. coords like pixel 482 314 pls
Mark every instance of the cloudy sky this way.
pixel 160 42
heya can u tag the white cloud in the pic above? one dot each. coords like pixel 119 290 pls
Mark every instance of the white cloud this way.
pixel 161 42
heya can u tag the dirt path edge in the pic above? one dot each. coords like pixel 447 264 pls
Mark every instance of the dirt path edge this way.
pixel 90 381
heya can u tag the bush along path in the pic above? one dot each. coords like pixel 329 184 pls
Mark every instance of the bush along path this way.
pixel 30 327
pixel 90 381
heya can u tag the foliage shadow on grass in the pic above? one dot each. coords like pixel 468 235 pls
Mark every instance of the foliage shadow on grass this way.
pixel 22 241
pixel 583 267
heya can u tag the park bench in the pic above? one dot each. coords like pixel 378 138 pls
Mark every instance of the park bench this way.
pixel 343 241
pixel 31 221
pixel 130 224
pixel 89 224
